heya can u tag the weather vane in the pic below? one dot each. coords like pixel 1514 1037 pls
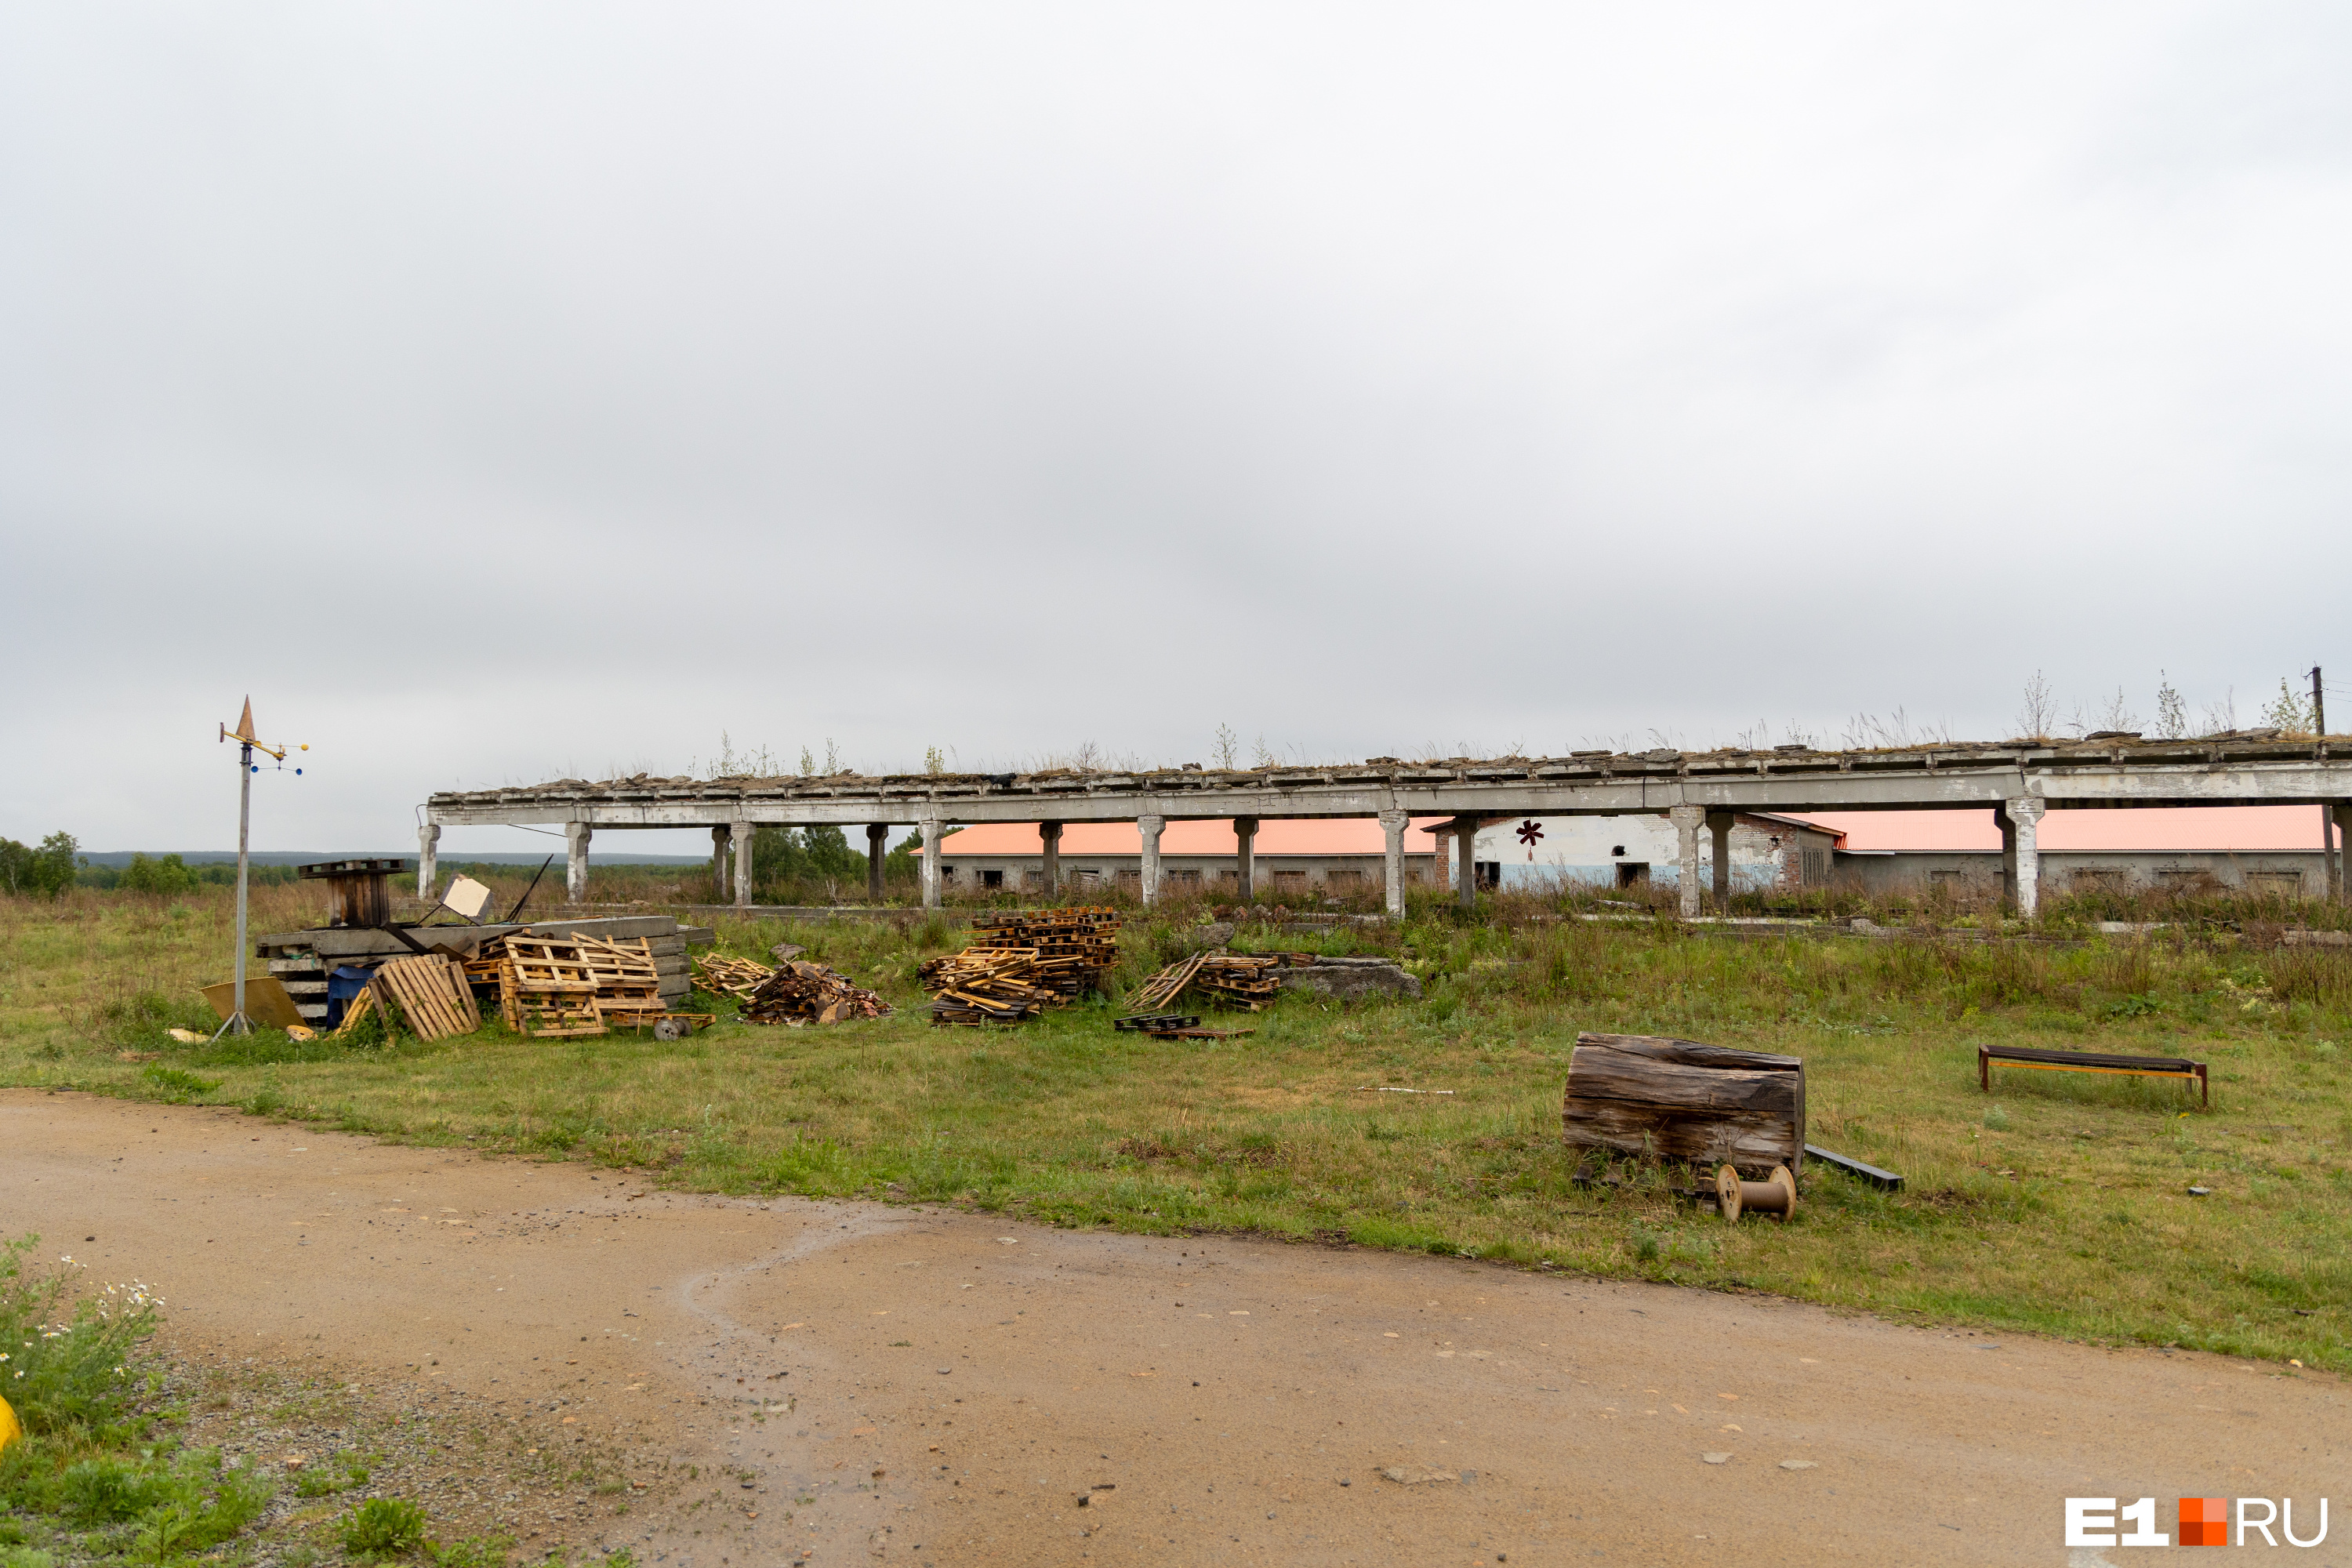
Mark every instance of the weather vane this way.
pixel 245 768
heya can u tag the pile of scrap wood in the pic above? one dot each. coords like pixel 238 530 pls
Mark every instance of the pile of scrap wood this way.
pixel 1071 948
pixel 809 993
pixel 1244 980
pixel 975 986
pixel 1020 964
pixel 724 976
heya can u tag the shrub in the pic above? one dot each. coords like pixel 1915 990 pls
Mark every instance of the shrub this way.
pixel 67 1372
pixel 383 1527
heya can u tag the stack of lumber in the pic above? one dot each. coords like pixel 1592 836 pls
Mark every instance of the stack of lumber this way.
pixel 1658 1097
pixel 431 993
pixel 1071 947
pixel 987 985
pixel 810 994
pixel 724 976
pixel 1243 980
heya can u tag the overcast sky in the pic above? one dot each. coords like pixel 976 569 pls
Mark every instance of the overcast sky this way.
pixel 501 392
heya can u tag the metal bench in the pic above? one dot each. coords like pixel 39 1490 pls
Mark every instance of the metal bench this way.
pixel 2090 1061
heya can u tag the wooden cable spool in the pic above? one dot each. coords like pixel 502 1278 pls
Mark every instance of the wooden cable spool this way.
pixel 1775 1195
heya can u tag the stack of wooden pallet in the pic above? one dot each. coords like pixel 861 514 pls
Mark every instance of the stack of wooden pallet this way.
pixel 810 994
pixel 975 986
pixel 724 976
pixel 1071 947
pixel 546 989
pixel 629 986
pixel 1244 980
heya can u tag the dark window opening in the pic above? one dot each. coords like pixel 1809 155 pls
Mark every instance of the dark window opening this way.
pixel 1490 873
pixel 1632 873
pixel 992 878
pixel 1618 850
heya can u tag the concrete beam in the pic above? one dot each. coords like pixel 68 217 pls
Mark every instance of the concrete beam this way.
pixel 1393 827
pixel 2189 773
pixel 930 862
pixel 1049 839
pixel 878 849
pixel 740 833
pixel 1687 820
pixel 576 836
pixel 1719 826
pixel 1245 858
pixel 1150 827
pixel 429 843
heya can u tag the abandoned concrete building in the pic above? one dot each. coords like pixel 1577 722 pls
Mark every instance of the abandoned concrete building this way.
pixel 1766 850
pixel 1291 854
pixel 2256 848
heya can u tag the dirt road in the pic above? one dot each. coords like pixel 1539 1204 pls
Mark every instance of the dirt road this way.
pixel 856 1383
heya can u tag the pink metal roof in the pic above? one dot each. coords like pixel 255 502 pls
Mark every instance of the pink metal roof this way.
pixel 1282 836
pixel 2159 830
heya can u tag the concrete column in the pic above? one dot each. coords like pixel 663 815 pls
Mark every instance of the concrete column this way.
pixel 1687 820
pixel 1049 841
pixel 1392 826
pixel 740 835
pixel 1465 861
pixel 2027 814
pixel 719 864
pixel 877 835
pixel 428 842
pixel 1245 858
pixel 1150 827
pixel 1718 825
pixel 2343 830
pixel 2008 857
pixel 575 861
pixel 930 862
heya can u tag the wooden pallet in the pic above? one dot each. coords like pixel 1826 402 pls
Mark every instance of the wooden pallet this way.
pixel 431 993
pixel 549 963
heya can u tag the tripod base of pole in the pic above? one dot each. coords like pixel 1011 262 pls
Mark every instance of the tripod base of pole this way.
pixel 237 1022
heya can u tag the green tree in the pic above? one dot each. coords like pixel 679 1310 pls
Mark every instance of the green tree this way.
pixel 829 853
pixel 166 878
pixel 46 871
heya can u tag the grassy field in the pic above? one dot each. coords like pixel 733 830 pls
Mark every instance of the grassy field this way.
pixel 2060 1203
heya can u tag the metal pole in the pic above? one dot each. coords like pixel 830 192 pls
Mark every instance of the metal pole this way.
pixel 239 1022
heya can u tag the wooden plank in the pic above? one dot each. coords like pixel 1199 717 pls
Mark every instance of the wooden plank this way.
pixel 1689 1053
pixel 1598 1072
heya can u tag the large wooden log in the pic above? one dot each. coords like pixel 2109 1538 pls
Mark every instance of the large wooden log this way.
pixel 1679 1100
